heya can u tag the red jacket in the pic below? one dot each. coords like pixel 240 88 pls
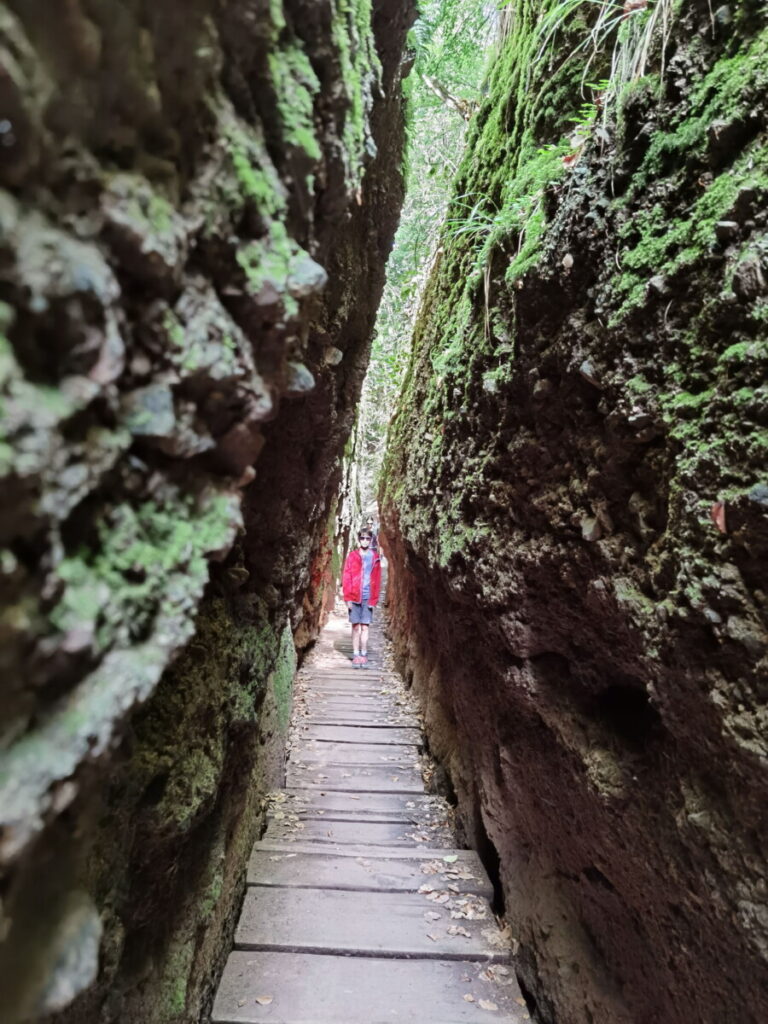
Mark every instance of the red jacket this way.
pixel 352 580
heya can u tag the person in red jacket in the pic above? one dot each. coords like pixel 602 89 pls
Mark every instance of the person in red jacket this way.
pixel 361 583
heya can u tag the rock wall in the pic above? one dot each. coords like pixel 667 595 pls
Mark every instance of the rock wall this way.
pixel 198 199
pixel 576 508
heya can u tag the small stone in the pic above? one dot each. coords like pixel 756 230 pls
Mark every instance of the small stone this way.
pixel 149 411
pixel 745 201
pixel 748 279
pixel 726 230
pixel 588 372
pixel 306 277
pixel 658 285
pixel 638 419
pixel 333 356
pixel 300 380
pixel 748 634
pixel 591 530
pixel 759 495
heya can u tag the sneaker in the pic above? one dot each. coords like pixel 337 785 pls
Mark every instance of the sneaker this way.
pixel 357 661
pixel 363 661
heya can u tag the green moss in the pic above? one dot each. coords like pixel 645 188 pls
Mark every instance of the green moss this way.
pixel 282 677
pixel 657 241
pixel 176 977
pixel 360 67
pixel 223 675
pixel 120 585
pixel 296 85
pixel 29 412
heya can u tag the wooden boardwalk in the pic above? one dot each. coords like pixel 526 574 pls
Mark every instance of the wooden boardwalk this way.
pixel 358 908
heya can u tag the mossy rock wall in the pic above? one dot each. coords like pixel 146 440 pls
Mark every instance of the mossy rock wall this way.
pixel 196 202
pixel 576 507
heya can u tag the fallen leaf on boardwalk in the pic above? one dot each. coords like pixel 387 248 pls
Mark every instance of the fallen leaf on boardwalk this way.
pixel 426 888
pixel 430 915
pixel 520 1001
pixel 457 930
pixel 432 936
pixel 495 938
pixel 241 1002
pixel 486 1004
pixel 410 804
pixel 278 815
pixel 451 858
pixel 497 974
pixel 264 1000
pixel 468 997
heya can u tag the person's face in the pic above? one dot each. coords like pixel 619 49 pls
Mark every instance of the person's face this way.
pixel 364 542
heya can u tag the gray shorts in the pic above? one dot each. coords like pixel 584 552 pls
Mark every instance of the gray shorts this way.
pixel 360 614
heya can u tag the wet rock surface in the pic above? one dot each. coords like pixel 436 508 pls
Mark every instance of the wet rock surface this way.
pixel 575 520
pixel 196 203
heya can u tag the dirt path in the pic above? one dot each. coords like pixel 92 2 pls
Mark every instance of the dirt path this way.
pixel 358 908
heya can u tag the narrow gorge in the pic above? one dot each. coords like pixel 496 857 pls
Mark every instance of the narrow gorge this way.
pixel 198 203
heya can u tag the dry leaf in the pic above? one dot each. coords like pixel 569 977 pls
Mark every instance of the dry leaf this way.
pixel 264 1000
pixel 717 514
pixel 520 1001
pixel 468 997
pixel 486 1004
pixel 431 935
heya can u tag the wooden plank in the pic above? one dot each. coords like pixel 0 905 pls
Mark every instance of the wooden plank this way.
pixel 368 719
pixel 383 924
pixel 298 800
pixel 363 780
pixel 308 867
pixel 354 753
pixel 359 734
pixel 373 833
pixel 296 988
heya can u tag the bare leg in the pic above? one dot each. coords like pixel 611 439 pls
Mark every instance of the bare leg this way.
pixel 355 640
pixel 363 638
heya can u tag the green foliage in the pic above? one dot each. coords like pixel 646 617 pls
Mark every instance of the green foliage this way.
pixel 450 42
